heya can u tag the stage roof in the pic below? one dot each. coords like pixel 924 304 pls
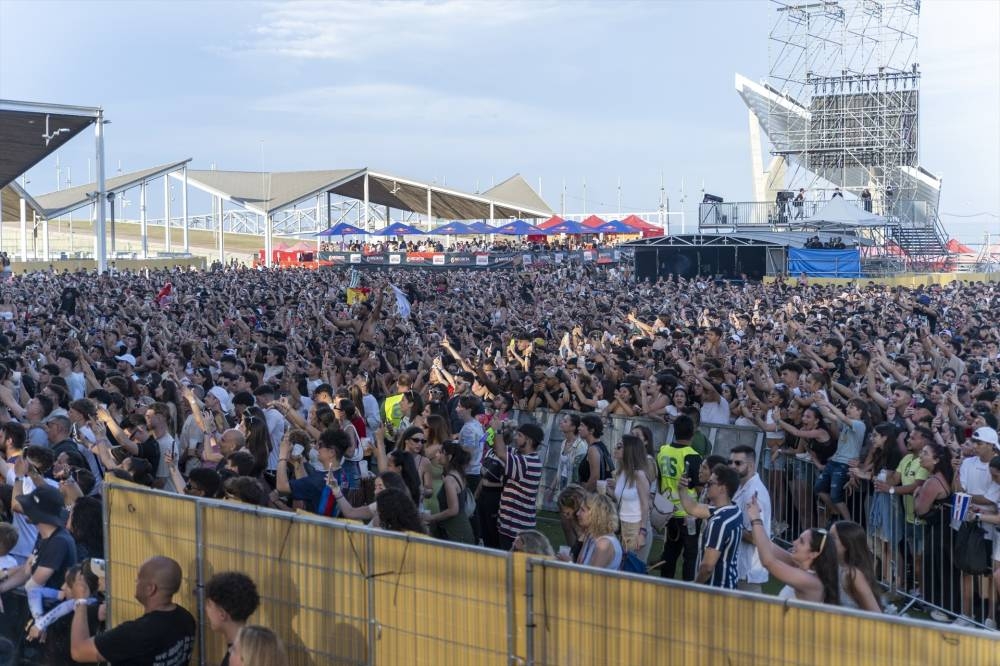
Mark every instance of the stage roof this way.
pixel 796 239
pixel 61 202
pixel 267 193
pixel 23 128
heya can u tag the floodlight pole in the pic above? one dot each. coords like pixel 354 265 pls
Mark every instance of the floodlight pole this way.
pixel 100 241
pixel 143 229
pixel 184 209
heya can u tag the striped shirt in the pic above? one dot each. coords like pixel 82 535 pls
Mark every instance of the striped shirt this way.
pixel 520 493
pixel 722 532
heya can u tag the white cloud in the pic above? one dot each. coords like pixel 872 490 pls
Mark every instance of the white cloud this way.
pixel 354 30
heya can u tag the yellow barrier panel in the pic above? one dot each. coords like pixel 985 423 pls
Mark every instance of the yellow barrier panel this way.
pixel 601 619
pixel 439 604
pixel 142 525
pixel 310 577
pixel 338 593
pixel 903 280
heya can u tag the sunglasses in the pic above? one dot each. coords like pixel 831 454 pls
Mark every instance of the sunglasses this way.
pixel 737 463
pixel 419 440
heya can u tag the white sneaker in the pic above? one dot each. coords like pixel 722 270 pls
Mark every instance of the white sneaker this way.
pixel 940 616
pixel 990 623
pixel 962 622
pixel 891 609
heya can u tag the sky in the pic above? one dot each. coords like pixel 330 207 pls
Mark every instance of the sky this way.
pixel 469 92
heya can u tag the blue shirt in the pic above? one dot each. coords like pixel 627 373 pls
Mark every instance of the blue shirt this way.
pixel 723 532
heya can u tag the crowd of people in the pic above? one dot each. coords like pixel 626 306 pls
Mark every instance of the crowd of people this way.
pixel 265 387
pixel 466 244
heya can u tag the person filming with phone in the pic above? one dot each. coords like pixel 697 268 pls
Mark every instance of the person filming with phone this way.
pixel 674 461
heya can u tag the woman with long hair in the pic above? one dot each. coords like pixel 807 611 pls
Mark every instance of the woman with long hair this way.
pixel 86 525
pixel 397 512
pixel 940 579
pixel 257 646
pixel 858 587
pixel 631 491
pixel 598 517
pixel 809 571
pixel 885 522
pixel 258 439
pixel 414 443
pixel 369 512
pixel 452 522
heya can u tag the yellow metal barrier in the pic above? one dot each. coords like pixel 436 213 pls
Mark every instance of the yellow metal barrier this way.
pixel 609 619
pixel 339 593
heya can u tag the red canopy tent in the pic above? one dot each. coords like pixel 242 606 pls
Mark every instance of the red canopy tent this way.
pixel 551 222
pixel 648 230
pixel 955 247
pixel 593 221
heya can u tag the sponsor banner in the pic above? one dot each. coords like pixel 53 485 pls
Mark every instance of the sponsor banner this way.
pixel 395 259
pixel 460 259
pixel 482 260
pixel 588 255
pixel 355 258
pixel 438 260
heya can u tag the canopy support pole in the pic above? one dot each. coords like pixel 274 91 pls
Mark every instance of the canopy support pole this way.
pixel 492 214
pixel 319 213
pixel 166 214
pixel 268 240
pixel 184 209
pixel 45 238
pixel 365 213
pixel 100 242
pixel 143 228
pixel 429 210
pixel 24 230
pixel 222 237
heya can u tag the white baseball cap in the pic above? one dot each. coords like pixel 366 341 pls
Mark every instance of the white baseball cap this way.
pixel 986 435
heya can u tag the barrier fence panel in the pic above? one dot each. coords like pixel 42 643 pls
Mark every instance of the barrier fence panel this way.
pixel 433 598
pixel 602 618
pixel 310 573
pixel 140 524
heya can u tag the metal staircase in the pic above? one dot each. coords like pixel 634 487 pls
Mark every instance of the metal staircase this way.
pixel 918 232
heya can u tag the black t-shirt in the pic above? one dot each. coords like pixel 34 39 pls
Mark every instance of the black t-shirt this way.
pixel 72 451
pixel 158 638
pixel 58 553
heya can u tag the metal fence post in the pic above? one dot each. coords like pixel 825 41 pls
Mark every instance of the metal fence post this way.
pixel 373 626
pixel 199 549
pixel 106 506
pixel 529 595
pixel 511 629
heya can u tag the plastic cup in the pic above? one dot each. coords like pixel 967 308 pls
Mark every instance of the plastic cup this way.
pixel 602 486
pixel 364 469
pixel 564 551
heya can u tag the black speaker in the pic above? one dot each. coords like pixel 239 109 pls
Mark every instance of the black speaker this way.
pixel 711 198
pixel 783 196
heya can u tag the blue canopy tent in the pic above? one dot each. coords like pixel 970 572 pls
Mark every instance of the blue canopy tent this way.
pixel 615 227
pixel 571 227
pixel 451 229
pixel 400 229
pixel 478 227
pixel 520 228
pixel 343 229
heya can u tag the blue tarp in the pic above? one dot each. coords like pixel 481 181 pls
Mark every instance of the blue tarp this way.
pixel 824 263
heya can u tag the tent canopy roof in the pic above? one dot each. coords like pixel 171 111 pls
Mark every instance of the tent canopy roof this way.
pixel 22 133
pixel 268 193
pixel 837 211
pixel 796 239
pixel 61 202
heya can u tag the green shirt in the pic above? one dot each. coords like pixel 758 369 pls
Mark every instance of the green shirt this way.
pixel 910 470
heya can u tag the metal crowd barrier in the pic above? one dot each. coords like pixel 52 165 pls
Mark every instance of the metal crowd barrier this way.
pixel 341 593
pixel 914 558
pixel 721 437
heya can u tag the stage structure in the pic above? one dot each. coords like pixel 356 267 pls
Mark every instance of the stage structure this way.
pixel 840 109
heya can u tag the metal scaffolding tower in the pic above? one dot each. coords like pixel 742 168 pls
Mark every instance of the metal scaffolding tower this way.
pixel 852 66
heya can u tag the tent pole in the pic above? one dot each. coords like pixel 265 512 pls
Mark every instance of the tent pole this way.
pixel 143 229
pixel 184 209
pixel 24 230
pixel 268 240
pixel 429 206
pixel 166 214
pixel 365 213
pixel 100 247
